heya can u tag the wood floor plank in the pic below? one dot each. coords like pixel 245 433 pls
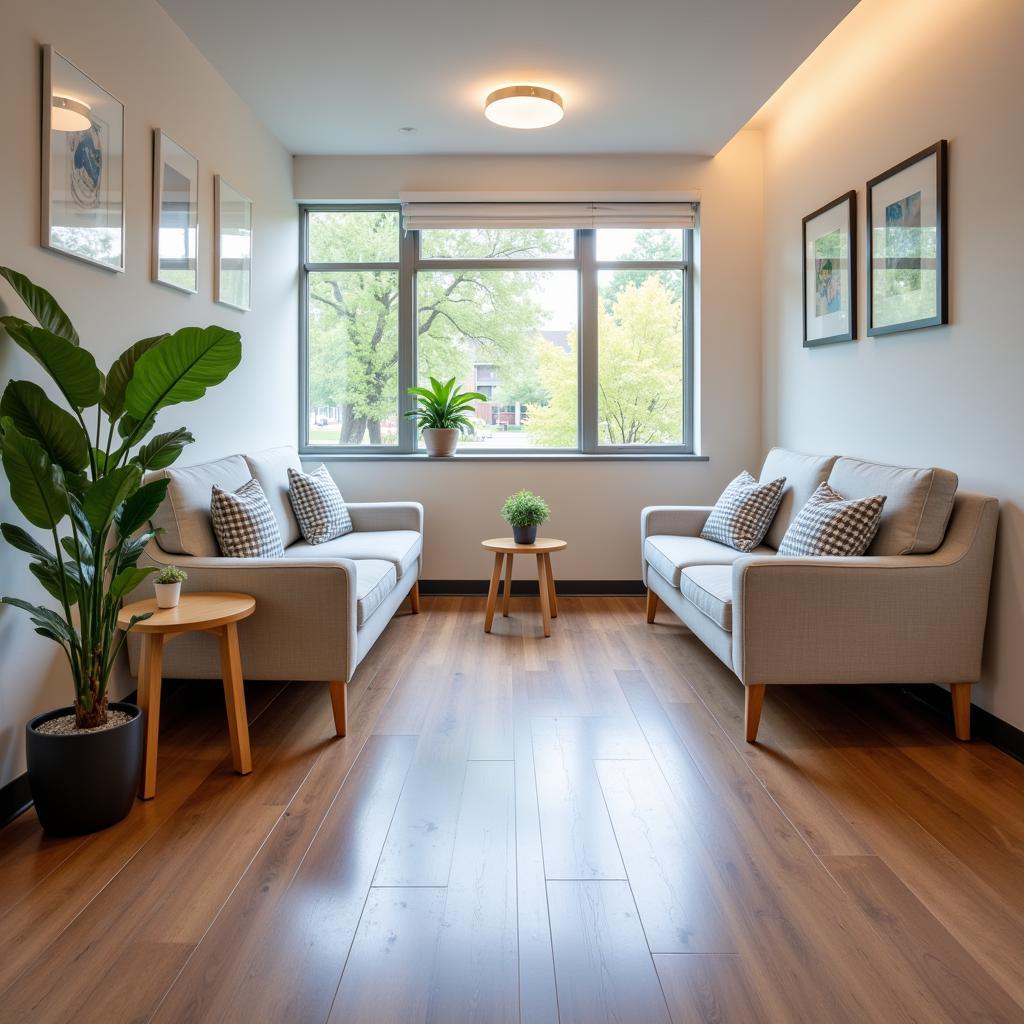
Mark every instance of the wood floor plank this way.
pixel 603 967
pixel 702 989
pixel 476 973
pixel 388 975
pixel 664 861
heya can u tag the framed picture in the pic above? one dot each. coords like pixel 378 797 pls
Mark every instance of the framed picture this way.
pixel 907 244
pixel 175 214
pixel 232 273
pixel 83 165
pixel 830 276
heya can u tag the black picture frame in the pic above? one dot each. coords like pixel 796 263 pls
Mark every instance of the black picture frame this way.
pixel 940 215
pixel 849 200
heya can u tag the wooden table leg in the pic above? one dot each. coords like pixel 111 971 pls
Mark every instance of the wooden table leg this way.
pixel 552 596
pixel 234 697
pixel 545 599
pixel 507 592
pixel 492 594
pixel 149 701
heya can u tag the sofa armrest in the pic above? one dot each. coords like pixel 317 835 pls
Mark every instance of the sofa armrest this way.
pixel 386 515
pixel 678 520
pixel 894 619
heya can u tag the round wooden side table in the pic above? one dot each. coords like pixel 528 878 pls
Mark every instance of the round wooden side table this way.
pixel 215 613
pixel 505 548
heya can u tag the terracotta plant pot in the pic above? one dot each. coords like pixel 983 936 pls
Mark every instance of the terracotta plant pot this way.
pixel 167 594
pixel 440 444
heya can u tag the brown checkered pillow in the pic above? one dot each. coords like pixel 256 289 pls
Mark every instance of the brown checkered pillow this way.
pixel 830 524
pixel 743 513
pixel 244 523
pixel 318 505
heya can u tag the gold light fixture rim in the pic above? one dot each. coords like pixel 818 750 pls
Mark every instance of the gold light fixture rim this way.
pixel 75 106
pixel 539 92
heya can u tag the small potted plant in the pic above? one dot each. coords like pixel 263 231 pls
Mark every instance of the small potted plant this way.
pixel 167 585
pixel 524 512
pixel 441 415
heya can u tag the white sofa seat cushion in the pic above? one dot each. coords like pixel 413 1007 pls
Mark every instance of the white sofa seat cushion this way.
pixel 669 554
pixel 399 547
pixel 803 473
pixel 375 579
pixel 709 587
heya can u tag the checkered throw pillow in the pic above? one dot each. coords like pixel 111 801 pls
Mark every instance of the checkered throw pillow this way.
pixel 244 523
pixel 830 524
pixel 743 513
pixel 319 506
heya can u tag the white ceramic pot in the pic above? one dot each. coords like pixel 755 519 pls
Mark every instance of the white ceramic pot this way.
pixel 167 594
pixel 440 443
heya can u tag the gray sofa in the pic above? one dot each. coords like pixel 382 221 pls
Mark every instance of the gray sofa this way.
pixel 911 610
pixel 319 609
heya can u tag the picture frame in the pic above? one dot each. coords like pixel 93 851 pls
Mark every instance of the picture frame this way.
pixel 175 214
pixel 830 272
pixel 82 193
pixel 907 244
pixel 232 264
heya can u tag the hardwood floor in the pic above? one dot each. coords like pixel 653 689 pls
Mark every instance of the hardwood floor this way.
pixel 520 829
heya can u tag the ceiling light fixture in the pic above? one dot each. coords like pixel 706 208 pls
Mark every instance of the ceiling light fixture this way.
pixel 524 106
pixel 70 115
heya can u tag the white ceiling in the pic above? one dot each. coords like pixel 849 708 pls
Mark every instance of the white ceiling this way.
pixel 647 76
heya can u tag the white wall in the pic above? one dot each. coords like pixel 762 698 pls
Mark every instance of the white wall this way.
pixel 894 77
pixel 596 505
pixel 137 53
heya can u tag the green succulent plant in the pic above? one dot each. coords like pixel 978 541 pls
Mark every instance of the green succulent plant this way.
pixel 443 406
pixel 82 481
pixel 524 508
pixel 170 574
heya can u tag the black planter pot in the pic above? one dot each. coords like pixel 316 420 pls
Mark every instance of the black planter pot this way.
pixel 524 534
pixel 84 781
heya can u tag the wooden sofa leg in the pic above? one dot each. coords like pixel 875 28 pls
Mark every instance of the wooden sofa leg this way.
pixel 339 704
pixel 962 710
pixel 414 598
pixel 652 605
pixel 753 698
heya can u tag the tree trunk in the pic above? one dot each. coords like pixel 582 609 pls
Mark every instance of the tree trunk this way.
pixel 97 715
pixel 373 427
pixel 352 427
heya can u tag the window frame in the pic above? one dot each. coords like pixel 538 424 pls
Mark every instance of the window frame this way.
pixel 584 262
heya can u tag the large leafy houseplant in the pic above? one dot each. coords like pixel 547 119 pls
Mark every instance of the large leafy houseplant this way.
pixel 443 406
pixel 77 472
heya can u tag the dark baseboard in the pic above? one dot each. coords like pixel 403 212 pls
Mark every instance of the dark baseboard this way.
pixel 525 588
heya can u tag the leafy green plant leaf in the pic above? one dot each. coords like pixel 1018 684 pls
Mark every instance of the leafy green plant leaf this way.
pixel 37 417
pixel 72 369
pixel 37 486
pixel 45 618
pixel 163 450
pixel 127 580
pixel 24 541
pixel 42 305
pixel 121 372
pixel 132 550
pixel 181 368
pixel 50 576
pixel 105 496
pixel 140 506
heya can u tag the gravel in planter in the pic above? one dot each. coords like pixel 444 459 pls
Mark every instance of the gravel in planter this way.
pixel 65 725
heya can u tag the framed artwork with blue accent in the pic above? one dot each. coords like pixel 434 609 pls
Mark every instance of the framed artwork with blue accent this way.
pixel 83 165
pixel 830 272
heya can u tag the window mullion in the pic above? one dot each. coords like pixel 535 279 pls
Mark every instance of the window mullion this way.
pixel 588 319
pixel 406 340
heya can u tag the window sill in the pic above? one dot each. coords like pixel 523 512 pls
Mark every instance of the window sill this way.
pixel 312 454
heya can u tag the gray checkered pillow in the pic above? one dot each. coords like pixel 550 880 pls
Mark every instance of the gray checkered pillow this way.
pixel 319 506
pixel 743 513
pixel 244 523
pixel 830 524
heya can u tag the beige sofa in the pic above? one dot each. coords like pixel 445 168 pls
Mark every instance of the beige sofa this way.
pixel 319 609
pixel 912 610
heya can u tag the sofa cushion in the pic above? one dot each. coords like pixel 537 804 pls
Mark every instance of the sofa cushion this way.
pixel 917 507
pixel 669 554
pixel 399 547
pixel 744 512
pixel 709 587
pixel 803 473
pixel 375 579
pixel 271 467
pixel 830 524
pixel 318 505
pixel 244 523
pixel 184 515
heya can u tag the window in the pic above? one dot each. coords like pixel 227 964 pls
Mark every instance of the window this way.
pixel 579 340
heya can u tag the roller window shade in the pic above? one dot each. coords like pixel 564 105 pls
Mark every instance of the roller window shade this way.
pixel 423 216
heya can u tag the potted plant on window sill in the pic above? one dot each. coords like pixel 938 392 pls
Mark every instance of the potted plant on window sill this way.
pixel 81 482
pixel 441 415
pixel 524 511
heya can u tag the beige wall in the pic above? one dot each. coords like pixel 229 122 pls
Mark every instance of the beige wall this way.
pixel 894 77
pixel 137 53
pixel 596 505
